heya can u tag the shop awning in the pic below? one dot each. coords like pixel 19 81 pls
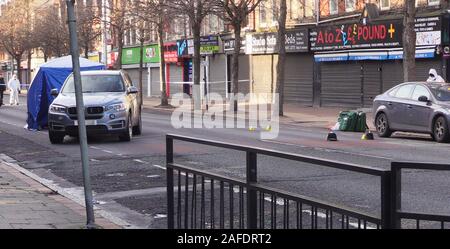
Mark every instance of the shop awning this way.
pixel 420 54
pixel 385 54
pixel 331 57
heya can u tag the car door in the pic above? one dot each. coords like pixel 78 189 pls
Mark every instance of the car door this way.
pixel 419 112
pixel 397 105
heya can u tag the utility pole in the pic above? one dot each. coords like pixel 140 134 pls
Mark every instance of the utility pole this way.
pixel 74 50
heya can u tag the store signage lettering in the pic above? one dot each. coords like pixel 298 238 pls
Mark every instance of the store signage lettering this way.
pixel 428 31
pixel 171 52
pixel 266 43
pixel 388 34
pixel 209 45
pixel 296 41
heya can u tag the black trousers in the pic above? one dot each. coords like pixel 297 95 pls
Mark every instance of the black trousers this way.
pixel 1 97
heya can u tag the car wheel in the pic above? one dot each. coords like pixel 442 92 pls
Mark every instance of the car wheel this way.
pixel 382 125
pixel 128 134
pixel 55 138
pixel 137 130
pixel 440 130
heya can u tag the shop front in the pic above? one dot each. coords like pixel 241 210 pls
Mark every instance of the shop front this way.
pixel 357 62
pixel 150 76
pixel 299 67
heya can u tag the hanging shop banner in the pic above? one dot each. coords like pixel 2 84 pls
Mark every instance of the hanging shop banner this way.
pixel 428 30
pixel 357 35
pixel 209 44
pixel 170 52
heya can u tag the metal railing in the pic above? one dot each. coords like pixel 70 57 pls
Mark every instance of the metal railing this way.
pixel 400 215
pixel 250 210
pixel 248 204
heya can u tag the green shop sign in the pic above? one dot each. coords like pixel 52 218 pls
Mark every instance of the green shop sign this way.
pixel 131 55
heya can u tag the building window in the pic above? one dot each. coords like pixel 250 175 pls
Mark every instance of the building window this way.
pixel 333 7
pixel 262 12
pixel 349 5
pixel 433 2
pixel 386 4
pixel 274 11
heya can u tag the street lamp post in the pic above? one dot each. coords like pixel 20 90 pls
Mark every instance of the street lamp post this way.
pixel 80 114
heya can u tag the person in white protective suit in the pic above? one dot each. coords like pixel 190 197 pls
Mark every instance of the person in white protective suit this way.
pixel 434 76
pixel 14 87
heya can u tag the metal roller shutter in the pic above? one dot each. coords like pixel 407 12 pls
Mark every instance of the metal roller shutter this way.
pixel 244 74
pixel 134 75
pixel 423 66
pixel 341 84
pixel 156 87
pixel 176 76
pixel 217 74
pixel 392 74
pixel 298 84
pixel 371 81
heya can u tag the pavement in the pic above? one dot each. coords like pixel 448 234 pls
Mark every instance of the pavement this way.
pixel 27 204
pixel 319 117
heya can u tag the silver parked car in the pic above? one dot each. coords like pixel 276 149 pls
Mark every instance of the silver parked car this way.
pixel 111 106
pixel 414 107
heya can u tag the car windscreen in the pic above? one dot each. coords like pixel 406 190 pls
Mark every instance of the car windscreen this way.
pixel 96 83
pixel 442 94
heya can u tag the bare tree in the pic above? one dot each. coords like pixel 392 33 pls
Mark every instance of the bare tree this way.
pixel 140 18
pixel 88 25
pixel 50 32
pixel 156 14
pixel 281 40
pixel 119 23
pixel 409 41
pixel 15 35
pixel 196 11
pixel 235 12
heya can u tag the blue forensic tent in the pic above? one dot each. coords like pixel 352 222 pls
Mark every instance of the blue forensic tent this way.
pixel 51 75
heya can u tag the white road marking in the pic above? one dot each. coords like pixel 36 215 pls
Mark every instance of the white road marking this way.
pixel 108 151
pixel 159 216
pixel 327 149
pixel 153 176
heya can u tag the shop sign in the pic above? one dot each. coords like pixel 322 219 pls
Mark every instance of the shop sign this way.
pixel 228 45
pixel 170 52
pixel 151 54
pixel 130 56
pixel 296 41
pixel 112 58
pixel 185 47
pixel 209 45
pixel 357 35
pixel 428 31
pixel 266 43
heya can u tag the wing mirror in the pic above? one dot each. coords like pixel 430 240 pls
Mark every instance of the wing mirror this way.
pixel 54 92
pixel 132 90
pixel 424 99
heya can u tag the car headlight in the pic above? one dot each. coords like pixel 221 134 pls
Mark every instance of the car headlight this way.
pixel 58 109
pixel 116 107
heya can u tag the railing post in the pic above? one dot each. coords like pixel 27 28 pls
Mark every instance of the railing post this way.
pixel 386 201
pixel 169 174
pixel 252 197
pixel 396 194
